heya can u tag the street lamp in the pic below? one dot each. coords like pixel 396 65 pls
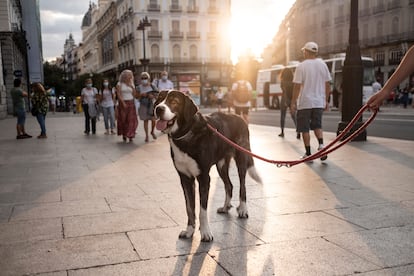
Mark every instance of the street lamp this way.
pixel 352 79
pixel 143 23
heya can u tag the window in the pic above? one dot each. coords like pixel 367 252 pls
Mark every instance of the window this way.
pixel 175 26
pixel 176 52
pixel 154 25
pixel 395 27
pixel 155 51
pixel 193 52
pixel 379 29
pixel 193 27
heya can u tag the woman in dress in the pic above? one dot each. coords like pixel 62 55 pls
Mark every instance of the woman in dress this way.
pixel 127 116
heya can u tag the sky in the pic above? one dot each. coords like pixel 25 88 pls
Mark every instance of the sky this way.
pixel 254 24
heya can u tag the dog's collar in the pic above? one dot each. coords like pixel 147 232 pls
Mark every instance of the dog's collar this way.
pixel 189 134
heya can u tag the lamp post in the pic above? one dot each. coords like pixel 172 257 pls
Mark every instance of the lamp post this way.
pixel 143 23
pixel 352 79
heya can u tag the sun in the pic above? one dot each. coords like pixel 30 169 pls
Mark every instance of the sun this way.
pixel 254 24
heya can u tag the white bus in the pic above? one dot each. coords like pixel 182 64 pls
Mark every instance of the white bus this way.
pixel 269 91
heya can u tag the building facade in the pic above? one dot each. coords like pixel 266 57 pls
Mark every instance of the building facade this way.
pixel 183 37
pixel 386 31
pixel 20 48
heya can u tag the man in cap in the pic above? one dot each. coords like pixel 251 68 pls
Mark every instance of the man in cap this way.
pixel 311 95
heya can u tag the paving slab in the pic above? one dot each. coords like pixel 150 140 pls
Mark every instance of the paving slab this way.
pixel 376 216
pixel 65 254
pixel 313 256
pixel 386 247
pixel 30 230
pixel 197 264
pixel 59 209
pixel 116 222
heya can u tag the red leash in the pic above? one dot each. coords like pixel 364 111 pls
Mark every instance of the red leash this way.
pixel 328 149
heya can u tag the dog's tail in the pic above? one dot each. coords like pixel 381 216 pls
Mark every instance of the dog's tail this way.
pixel 254 174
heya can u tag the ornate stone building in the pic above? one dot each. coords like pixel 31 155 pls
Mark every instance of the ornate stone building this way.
pixel 386 30
pixel 183 37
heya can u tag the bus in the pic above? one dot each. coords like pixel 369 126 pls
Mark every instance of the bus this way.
pixel 269 92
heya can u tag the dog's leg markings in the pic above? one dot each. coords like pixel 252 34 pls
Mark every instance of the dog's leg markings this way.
pixel 188 233
pixel 205 232
pixel 226 207
pixel 242 210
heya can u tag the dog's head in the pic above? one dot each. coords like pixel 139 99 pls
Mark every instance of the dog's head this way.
pixel 173 110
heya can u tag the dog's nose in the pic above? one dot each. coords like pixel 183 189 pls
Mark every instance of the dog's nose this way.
pixel 159 110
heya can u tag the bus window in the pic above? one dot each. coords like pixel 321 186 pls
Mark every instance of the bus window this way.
pixel 369 72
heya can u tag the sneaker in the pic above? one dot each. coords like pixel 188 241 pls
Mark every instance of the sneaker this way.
pixel 42 136
pixel 305 156
pixel 25 135
pixel 323 158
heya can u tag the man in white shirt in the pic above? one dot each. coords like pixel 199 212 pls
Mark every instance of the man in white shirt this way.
pixel 311 95
pixel 164 83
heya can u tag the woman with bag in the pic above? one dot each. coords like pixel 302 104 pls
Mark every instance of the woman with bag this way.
pixel 88 97
pixel 147 95
pixel 40 106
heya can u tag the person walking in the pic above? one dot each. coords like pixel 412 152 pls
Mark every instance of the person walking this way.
pixel 88 97
pixel 286 83
pixel 311 92
pixel 40 103
pixel 19 108
pixel 219 96
pixel 127 121
pixel 404 69
pixel 241 94
pixel 147 95
pixel 107 96
pixel 164 83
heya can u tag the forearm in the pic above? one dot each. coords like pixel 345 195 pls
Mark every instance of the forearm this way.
pixel 403 71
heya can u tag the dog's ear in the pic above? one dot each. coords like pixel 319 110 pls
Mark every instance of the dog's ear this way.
pixel 190 108
pixel 161 96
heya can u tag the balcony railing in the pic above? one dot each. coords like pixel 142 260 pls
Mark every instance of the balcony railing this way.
pixel 395 4
pixel 212 10
pixel 154 7
pixel 379 9
pixel 192 9
pixel 176 34
pixel 193 35
pixel 175 8
pixel 154 34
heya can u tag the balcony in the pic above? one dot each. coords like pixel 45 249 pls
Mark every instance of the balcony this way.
pixel 175 8
pixel 212 10
pixel 153 8
pixel 395 4
pixel 176 35
pixel 192 9
pixel 379 9
pixel 212 35
pixel 340 19
pixel 364 12
pixel 325 23
pixel 193 35
pixel 154 34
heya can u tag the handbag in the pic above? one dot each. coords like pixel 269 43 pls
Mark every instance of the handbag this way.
pixel 35 111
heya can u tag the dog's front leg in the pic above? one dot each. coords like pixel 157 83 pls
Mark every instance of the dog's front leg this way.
pixel 204 187
pixel 189 194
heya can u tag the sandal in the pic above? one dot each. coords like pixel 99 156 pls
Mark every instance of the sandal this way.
pixel 154 136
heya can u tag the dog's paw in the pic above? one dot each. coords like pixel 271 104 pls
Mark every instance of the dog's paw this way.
pixel 224 209
pixel 187 234
pixel 206 236
pixel 242 210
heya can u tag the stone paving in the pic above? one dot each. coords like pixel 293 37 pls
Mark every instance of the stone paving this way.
pixel 93 205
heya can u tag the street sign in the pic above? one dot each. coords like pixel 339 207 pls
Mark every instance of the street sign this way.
pixel 18 73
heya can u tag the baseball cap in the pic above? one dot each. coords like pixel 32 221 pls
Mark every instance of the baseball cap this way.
pixel 311 46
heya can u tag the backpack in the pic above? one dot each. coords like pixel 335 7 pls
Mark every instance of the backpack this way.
pixel 242 93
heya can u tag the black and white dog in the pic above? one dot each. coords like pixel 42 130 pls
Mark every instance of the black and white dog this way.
pixel 195 149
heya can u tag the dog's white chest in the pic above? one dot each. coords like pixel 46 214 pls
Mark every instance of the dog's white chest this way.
pixel 184 163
